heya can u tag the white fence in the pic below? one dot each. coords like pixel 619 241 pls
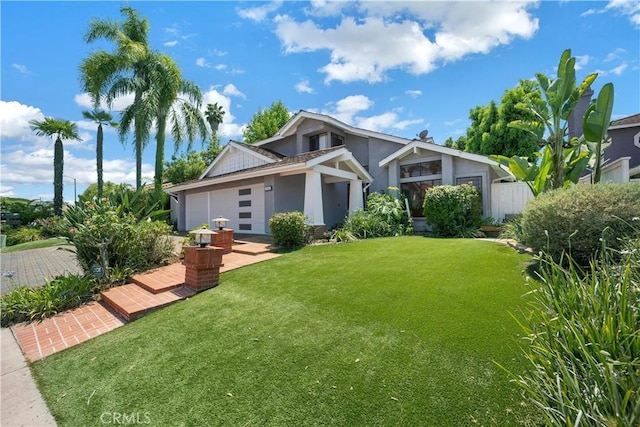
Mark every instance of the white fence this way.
pixel 509 198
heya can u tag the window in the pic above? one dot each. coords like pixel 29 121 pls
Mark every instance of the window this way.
pixel 314 143
pixel 476 181
pixel 433 167
pixel 244 203
pixel 244 226
pixel 336 140
pixel 244 192
pixel 414 192
pixel 244 215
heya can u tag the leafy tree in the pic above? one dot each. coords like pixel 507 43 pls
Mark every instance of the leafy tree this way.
pixel 61 130
pixel 458 144
pixel 266 122
pixel 105 74
pixel 191 165
pixel 595 124
pixel 507 140
pixel 100 117
pixel 490 133
pixel 108 188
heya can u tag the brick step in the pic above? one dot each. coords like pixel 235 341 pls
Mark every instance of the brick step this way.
pixel 132 302
pixel 251 248
pixel 161 279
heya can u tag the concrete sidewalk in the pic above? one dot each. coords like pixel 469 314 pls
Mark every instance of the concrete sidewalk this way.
pixel 22 404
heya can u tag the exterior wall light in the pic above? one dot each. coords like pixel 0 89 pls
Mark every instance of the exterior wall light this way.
pixel 220 222
pixel 203 236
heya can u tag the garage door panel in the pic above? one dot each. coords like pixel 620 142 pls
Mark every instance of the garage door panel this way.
pixel 243 206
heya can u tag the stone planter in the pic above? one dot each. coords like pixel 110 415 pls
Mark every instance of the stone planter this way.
pixel 492 231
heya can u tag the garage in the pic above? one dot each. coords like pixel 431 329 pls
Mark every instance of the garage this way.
pixel 243 206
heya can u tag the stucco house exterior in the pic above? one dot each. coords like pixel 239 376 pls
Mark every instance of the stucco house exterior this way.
pixel 324 168
pixel 621 159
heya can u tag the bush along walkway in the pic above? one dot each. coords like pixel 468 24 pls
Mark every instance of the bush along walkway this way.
pixel 147 292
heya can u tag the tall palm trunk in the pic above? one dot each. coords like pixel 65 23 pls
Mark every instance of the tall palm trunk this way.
pixel 160 138
pixel 58 166
pixel 99 150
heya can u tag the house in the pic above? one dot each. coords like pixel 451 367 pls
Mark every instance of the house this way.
pixel 324 168
pixel 621 160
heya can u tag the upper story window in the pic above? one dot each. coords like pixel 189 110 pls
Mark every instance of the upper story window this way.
pixel 314 143
pixel 433 167
pixel 336 140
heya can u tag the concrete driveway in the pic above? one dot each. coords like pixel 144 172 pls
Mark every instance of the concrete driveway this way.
pixel 34 267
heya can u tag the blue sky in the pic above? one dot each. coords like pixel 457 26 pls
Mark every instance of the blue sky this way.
pixel 395 67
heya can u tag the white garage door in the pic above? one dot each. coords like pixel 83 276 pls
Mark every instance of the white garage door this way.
pixel 243 206
pixel 197 210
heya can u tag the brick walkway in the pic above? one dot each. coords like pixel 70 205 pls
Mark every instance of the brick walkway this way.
pixel 159 287
pixel 34 267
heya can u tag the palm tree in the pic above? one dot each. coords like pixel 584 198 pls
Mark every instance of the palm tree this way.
pixel 214 114
pixel 102 73
pixel 60 129
pixel 168 100
pixel 101 118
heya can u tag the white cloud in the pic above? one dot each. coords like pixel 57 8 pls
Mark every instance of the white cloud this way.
pixel 366 48
pixel 217 52
pixel 119 104
pixel 22 167
pixel 171 43
pixel 629 8
pixel 22 68
pixel 258 14
pixel 220 67
pixel 581 61
pixel 14 121
pixel 349 110
pixel 452 122
pixel 201 62
pixel 303 87
pixel 413 93
pixel 323 8
pixel 231 90
pixel 612 56
pixel 619 69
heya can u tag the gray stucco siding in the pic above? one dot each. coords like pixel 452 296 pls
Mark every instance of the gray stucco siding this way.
pixel 622 145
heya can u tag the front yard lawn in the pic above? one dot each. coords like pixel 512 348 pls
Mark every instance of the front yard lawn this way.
pixel 399 331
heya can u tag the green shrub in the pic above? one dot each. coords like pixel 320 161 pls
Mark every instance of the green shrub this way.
pixel 365 225
pixel 385 216
pixel 54 226
pixel 289 229
pixel 453 210
pixel 104 236
pixel 576 220
pixel 59 294
pixel 23 235
pixel 584 342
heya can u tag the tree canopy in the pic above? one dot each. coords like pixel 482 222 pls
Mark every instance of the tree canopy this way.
pixel 266 122
pixel 490 133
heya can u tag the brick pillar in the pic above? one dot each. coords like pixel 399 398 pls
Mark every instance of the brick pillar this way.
pixel 223 239
pixel 202 267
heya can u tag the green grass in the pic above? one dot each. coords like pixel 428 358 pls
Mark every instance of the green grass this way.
pixel 38 244
pixel 400 331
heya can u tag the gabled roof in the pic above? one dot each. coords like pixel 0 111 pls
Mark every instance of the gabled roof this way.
pixel 284 164
pixel 291 127
pixel 405 151
pixel 261 153
pixel 629 121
